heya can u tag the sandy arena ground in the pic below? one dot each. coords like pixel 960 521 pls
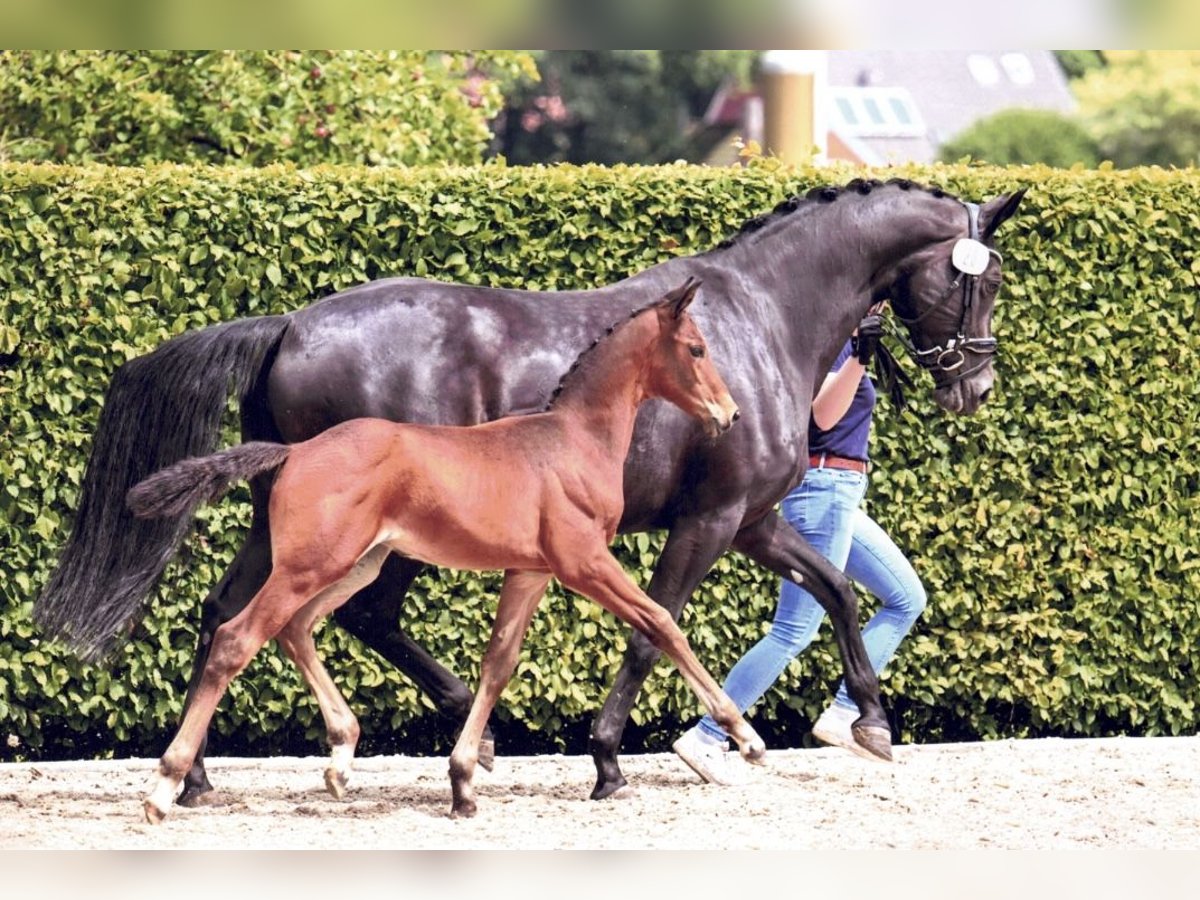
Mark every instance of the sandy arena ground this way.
pixel 1122 793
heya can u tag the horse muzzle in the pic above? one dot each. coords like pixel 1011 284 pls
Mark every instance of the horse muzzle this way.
pixel 720 420
pixel 965 397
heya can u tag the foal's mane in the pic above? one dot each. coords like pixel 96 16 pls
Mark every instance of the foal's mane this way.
pixel 562 382
pixel 821 195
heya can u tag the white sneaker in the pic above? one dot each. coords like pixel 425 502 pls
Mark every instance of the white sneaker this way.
pixel 709 759
pixel 833 728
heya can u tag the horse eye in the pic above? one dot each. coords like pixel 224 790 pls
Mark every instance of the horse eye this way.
pixel 696 350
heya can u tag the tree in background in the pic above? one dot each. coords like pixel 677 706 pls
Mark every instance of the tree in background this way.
pixel 1143 107
pixel 1077 63
pixel 615 106
pixel 1019 136
pixel 253 107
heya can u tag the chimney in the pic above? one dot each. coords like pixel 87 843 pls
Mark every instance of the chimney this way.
pixel 794 90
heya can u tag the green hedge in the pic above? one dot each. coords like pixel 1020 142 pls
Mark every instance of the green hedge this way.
pixel 1054 531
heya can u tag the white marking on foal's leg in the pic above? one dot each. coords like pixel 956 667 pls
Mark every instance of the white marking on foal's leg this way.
pixel 337 776
pixel 796 577
pixel 160 796
pixel 343 757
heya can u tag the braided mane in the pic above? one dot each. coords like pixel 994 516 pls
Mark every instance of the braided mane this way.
pixel 562 382
pixel 818 195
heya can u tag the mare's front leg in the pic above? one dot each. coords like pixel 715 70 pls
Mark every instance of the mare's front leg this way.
pixel 692 547
pixel 519 597
pixel 595 573
pixel 775 544
pixel 373 615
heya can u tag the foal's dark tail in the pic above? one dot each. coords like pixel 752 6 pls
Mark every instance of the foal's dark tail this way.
pixel 178 490
pixel 160 408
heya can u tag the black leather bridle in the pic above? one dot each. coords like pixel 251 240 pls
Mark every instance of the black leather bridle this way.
pixel 950 358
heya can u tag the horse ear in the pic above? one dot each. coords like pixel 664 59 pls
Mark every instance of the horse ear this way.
pixel 680 298
pixel 998 210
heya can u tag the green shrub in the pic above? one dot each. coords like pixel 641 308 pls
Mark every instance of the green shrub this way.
pixel 1024 136
pixel 238 107
pixel 1054 531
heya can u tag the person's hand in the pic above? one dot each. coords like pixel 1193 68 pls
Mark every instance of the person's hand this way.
pixel 867 335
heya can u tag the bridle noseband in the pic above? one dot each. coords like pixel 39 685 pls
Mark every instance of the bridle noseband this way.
pixel 951 357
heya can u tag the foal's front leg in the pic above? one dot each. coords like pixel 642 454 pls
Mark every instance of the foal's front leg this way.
pixel 595 573
pixel 692 547
pixel 519 597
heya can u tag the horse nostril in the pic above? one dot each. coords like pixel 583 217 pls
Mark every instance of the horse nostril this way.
pixel 737 414
pixel 983 396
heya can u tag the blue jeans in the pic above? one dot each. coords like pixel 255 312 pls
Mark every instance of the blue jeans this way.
pixel 825 509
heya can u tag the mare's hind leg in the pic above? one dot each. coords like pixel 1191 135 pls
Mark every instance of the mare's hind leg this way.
pixel 519 597
pixel 341 727
pixel 595 573
pixel 373 614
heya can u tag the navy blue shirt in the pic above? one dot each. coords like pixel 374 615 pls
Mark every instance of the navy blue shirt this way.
pixel 849 436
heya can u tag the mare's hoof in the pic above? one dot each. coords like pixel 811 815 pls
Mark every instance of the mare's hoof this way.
pixel 755 752
pixel 154 815
pixel 875 740
pixel 607 786
pixel 487 753
pixel 335 783
pixel 194 797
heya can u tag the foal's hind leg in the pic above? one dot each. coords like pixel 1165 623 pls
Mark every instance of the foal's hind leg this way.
pixel 373 615
pixel 241 582
pixel 233 646
pixel 519 597
pixel 341 727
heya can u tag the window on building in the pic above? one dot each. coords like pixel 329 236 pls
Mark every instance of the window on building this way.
pixel 875 112
pixel 1018 68
pixel 983 69
pixel 845 111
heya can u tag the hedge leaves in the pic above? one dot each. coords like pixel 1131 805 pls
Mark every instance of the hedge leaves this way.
pixel 1055 531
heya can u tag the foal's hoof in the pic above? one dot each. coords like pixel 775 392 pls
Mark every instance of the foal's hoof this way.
pixel 463 809
pixel 335 782
pixel 875 740
pixel 154 815
pixel 487 753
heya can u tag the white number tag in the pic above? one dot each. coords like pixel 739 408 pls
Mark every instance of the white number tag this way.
pixel 970 257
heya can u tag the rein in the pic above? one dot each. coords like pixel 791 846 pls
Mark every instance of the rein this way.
pixel 950 358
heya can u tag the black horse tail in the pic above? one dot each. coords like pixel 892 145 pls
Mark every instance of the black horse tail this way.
pixel 160 408
pixel 179 489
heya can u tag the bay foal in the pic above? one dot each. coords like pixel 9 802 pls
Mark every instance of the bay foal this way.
pixel 538 496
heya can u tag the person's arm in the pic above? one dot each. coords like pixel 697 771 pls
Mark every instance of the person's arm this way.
pixel 837 391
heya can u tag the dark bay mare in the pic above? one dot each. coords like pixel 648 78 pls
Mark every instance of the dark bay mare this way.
pixel 781 298
pixel 537 496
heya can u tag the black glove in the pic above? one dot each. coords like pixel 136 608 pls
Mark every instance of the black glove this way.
pixel 866 342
